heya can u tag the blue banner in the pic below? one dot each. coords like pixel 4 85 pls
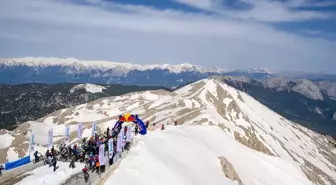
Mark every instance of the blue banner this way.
pixel 17 163
pixel 142 126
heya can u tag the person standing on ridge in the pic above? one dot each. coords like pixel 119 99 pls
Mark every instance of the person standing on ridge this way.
pixel 53 151
pixel 72 162
pixel 54 162
pixel 86 174
pixel 1 169
pixel 36 156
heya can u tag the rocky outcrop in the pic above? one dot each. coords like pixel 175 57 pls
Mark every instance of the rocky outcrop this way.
pixel 252 142
pixel 316 175
pixel 229 171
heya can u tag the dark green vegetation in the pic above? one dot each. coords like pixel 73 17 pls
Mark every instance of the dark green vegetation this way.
pixel 20 103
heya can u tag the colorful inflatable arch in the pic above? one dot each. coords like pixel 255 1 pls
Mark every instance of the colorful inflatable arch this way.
pixel 129 118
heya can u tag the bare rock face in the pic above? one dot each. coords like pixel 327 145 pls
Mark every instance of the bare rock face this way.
pixel 229 171
pixel 252 142
pixel 315 175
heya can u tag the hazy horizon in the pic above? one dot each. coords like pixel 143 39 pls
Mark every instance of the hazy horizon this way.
pixel 290 35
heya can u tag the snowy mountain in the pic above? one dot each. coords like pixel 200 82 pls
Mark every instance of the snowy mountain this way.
pixel 301 86
pixel 252 144
pixel 311 104
pixel 328 88
pixel 71 70
pixel 202 155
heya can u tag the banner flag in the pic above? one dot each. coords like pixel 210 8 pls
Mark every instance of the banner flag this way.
pixel 50 138
pixel 67 135
pixel 119 142
pixel 101 154
pixel 32 142
pixel 129 134
pixel 94 129
pixel 79 131
pixel 110 147
pixel 122 133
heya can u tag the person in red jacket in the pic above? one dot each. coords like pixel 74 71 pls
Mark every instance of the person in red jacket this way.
pixel 85 172
pixel 162 127
pixel 85 169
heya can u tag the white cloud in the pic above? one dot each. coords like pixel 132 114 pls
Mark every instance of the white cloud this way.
pixel 144 35
pixel 265 10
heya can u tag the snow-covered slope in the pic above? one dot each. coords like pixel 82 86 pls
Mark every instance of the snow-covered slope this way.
pixel 311 104
pixel 186 155
pixel 328 88
pixel 92 88
pixel 301 86
pixel 206 102
pixel 45 175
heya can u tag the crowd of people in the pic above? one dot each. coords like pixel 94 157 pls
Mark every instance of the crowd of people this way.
pixel 87 151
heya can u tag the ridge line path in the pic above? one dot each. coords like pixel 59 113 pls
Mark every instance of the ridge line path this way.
pixel 94 177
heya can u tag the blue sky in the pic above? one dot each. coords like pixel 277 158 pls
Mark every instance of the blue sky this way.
pixel 280 35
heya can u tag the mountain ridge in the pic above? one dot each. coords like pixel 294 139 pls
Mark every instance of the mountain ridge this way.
pixel 302 101
pixel 205 102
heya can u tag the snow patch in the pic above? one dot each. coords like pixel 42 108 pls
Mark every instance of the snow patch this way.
pixel 45 175
pixel 318 110
pixel 12 155
pixel 92 88
pixel 6 140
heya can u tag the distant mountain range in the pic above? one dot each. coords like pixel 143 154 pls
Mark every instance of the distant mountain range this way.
pixel 26 102
pixel 312 104
pixel 70 70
